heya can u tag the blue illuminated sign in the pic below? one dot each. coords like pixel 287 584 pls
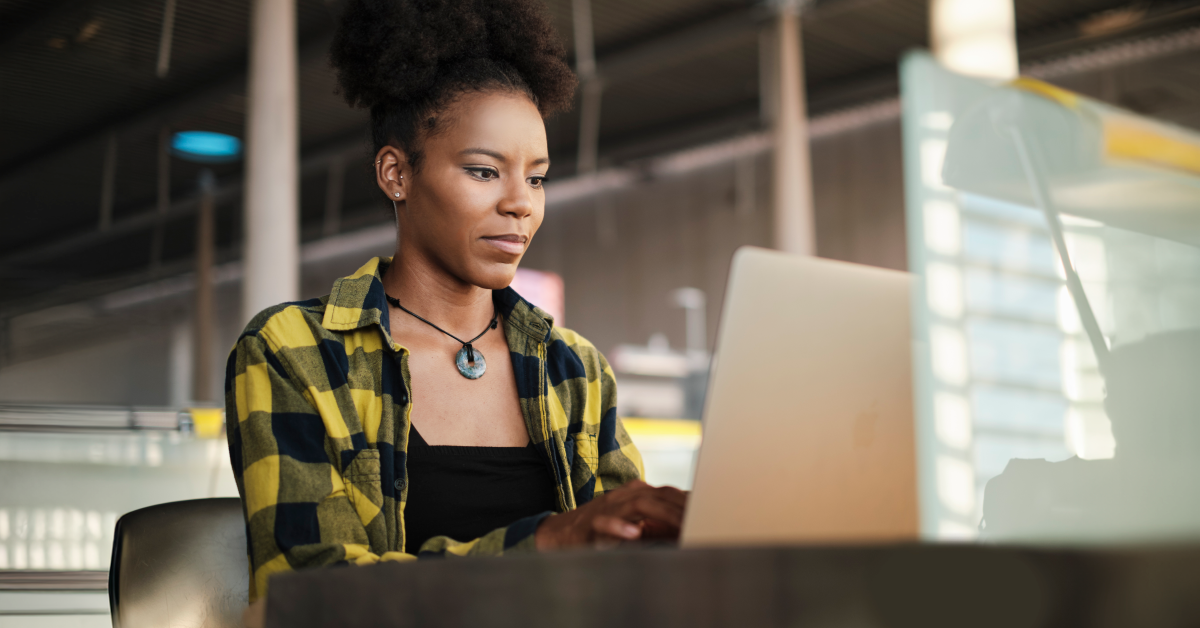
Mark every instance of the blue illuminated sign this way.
pixel 206 146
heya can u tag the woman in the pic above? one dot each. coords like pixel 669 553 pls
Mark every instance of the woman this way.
pixel 423 407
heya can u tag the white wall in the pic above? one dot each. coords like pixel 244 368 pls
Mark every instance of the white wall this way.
pixel 128 370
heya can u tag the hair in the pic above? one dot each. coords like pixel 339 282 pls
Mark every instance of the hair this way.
pixel 407 60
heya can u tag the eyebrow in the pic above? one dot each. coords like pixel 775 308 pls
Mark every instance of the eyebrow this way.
pixel 499 157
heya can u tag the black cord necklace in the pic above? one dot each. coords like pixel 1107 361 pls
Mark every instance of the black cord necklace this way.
pixel 469 360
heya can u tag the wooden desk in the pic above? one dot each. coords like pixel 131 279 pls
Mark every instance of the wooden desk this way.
pixel 930 586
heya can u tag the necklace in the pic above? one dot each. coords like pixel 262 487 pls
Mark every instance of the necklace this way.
pixel 469 360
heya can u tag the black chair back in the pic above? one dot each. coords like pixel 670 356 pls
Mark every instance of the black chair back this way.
pixel 180 564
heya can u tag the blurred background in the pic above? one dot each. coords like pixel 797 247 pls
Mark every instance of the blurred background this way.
pixel 701 126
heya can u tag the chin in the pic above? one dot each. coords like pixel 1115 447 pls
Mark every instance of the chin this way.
pixel 495 276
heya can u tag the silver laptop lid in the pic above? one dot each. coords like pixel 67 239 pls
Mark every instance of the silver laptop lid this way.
pixel 808 432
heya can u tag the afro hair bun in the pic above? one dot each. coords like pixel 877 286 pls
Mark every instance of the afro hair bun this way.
pixel 391 53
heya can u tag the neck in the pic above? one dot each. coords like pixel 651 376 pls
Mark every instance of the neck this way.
pixel 438 296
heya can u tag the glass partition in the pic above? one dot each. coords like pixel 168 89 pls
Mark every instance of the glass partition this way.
pixel 67 475
pixel 1057 316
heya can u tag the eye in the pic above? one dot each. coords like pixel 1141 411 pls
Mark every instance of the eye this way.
pixel 537 181
pixel 483 173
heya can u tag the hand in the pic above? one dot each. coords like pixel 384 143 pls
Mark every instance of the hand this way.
pixel 255 615
pixel 631 512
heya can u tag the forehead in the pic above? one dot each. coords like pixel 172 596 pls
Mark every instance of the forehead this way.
pixel 500 121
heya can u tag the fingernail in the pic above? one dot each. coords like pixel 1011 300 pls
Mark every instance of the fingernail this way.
pixel 630 530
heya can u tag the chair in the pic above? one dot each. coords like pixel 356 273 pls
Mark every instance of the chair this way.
pixel 180 564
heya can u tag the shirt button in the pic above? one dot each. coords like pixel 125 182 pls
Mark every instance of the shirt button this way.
pixel 399 484
pixel 403 399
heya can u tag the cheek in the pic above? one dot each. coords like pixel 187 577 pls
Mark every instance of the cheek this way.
pixel 453 211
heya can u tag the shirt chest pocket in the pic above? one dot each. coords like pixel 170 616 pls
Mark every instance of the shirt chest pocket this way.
pixel 587 451
pixel 361 473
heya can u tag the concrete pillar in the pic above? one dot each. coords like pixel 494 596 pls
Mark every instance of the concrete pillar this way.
pixel 5 341
pixel 975 37
pixel 591 87
pixel 271 257
pixel 794 228
pixel 589 126
pixel 181 364
pixel 204 314
pixel 335 189
pixel 108 182
pixel 164 197
pixel 694 304
pixel 165 38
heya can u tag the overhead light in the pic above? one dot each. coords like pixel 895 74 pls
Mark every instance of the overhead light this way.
pixel 206 147
pixel 1112 21
pixel 975 37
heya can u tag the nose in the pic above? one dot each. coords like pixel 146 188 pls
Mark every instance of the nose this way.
pixel 517 201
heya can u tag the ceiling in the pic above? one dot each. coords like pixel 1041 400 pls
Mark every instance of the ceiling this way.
pixel 78 77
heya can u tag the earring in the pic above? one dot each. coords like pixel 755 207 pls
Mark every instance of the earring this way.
pixel 397 194
pixel 401 176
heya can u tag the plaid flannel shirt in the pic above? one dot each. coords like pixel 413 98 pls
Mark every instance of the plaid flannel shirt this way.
pixel 321 395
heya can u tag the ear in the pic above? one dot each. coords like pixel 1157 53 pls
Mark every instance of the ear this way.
pixel 391 173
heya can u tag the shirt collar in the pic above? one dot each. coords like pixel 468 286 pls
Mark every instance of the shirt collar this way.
pixel 359 301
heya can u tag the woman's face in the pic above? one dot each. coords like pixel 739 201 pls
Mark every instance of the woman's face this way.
pixel 478 200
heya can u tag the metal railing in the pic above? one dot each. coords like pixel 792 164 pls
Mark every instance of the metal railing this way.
pixel 70 418
pixel 53 580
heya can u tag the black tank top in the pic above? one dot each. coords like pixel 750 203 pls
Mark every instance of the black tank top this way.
pixel 466 492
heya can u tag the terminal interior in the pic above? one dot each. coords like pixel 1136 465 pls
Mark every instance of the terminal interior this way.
pixel 112 378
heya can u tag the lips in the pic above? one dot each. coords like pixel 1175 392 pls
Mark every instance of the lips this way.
pixel 511 243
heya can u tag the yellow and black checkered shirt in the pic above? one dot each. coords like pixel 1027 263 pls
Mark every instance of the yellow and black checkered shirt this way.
pixel 321 395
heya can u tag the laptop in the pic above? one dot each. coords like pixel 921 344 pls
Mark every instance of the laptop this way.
pixel 808 420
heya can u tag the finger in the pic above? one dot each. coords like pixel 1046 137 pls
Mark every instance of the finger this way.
pixel 626 492
pixel 650 507
pixel 636 488
pixel 622 503
pixel 607 542
pixel 632 485
pixel 673 495
pixel 615 527
pixel 658 530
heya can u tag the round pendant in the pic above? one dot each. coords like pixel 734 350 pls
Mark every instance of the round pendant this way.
pixel 470 370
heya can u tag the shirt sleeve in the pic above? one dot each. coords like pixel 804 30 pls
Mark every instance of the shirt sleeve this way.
pixel 519 536
pixel 298 512
pixel 619 460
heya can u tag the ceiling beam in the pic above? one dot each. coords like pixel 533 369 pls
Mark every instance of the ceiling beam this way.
pixel 151 118
pixel 655 55
pixel 116 293
pixel 1113 55
pixel 1158 18
pixel 149 215
pixel 659 53
pixel 48 14
pixel 705 39
pixel 144 121
pixel 662 52
pixel 672 49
